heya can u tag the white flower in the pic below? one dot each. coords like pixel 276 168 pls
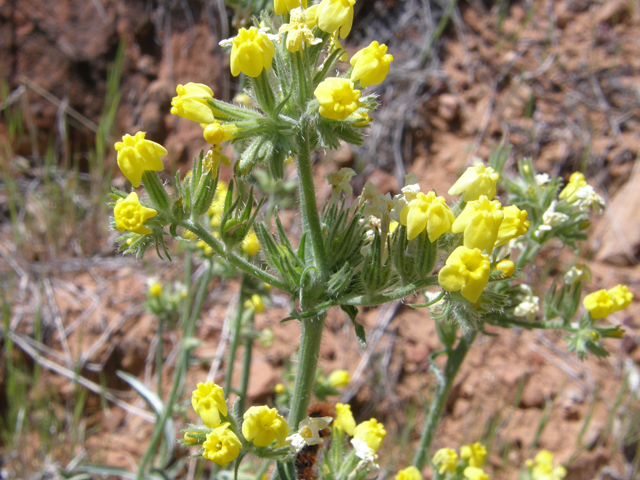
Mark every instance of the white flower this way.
pixel 577 273
pixel 339 182
pixel 529 305
pixel 409 192
pixel 551 219
pixel 366 455
pixel 588 199
pixel 542 179
pixel 308 433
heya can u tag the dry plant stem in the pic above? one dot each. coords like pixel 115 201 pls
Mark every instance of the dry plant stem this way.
pixel 443 388
pixel 311 336
pixel 179 374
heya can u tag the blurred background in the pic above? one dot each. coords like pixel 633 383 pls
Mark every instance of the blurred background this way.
pixel 558 80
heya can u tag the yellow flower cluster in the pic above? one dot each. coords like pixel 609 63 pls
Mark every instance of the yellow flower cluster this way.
pixel 576 181
pixel 371 432
pixel 208 402
pixel 371 64
pixel 131 215
pixel 298 32
pixel 409 473
pixel 193 103
pixel 604 302
pixel 344 419
pixel 466 270
pixel 542 468
pixel 136 155
pixel 262 425
pixel 474 455
pixel 339 378
pixel 427 212
pixel 337 98
pixel 251 52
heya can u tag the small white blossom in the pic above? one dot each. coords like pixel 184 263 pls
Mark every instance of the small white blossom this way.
pixel 551 219
pixel 308 433
pixel 366 455
pixel 339 182
pixel 577 273
pixel 529 305
pixel 588 199
pixel 542 179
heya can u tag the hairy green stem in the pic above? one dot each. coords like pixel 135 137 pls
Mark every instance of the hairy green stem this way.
pixel 308 354
pixel 220 249
pixel 246 363
pixel 235 339
pixel 443 388
pixel 308 203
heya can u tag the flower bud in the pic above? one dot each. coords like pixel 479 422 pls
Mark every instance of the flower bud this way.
pixel 371 64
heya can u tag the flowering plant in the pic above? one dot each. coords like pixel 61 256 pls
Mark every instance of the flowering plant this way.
pixel 466 259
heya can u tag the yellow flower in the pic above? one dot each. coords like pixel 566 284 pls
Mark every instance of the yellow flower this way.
pixel 298 32
pixel 285 6
pixel 213 159
pixel 514 224
pixel 155 289
pixel 131 215
pixel 474 454
pixel 476 181
pixel 339 378
pixel 474 473
pixel 190 438
pixel 279 389
pixel 135 155
pixel 371 432
pixel 255 303
pixel 208 402
pixel 217 205
pixel 221 446
pixel 334 44
pixel 621 297
pixel 480 221
pixel 262 425
pixel 466 270
pixel 337 98
pixel 409 473
pixel 507 267
pixel 344 419
pixel 207 250
pixel 599 304
pixel 427 212
pixel 310 16
pixel 192 103
pixel 216 132
pixel 251 52
pixel 250 244
pixel 371 64
pixel 446 459
pixel 332 15
pixel 576 181
pixel 542 467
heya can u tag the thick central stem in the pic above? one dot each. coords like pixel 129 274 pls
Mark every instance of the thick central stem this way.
pixel 308 354
pixel 310 216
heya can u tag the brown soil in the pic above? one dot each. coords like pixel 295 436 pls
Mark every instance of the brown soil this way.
pixel 559 80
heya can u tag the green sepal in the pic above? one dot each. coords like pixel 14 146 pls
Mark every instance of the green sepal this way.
pixel 353 313
pixel 157 193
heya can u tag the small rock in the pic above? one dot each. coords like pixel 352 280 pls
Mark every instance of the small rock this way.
pixel 532 396
pixel 447 107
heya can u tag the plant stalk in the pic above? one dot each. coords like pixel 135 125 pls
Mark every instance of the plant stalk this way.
pixel 308 354
pixel 444 384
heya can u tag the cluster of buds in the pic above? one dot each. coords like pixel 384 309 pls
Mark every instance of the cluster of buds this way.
pixel 468 465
